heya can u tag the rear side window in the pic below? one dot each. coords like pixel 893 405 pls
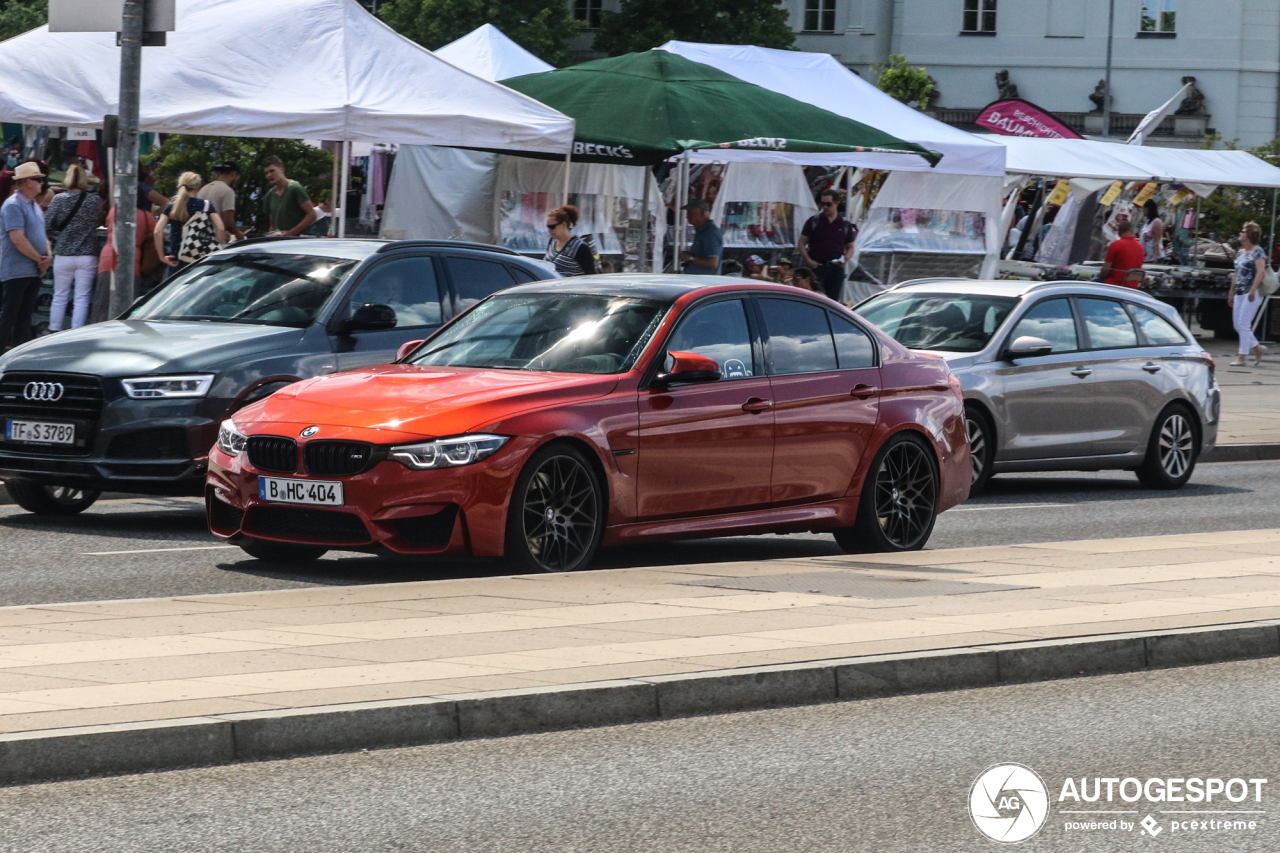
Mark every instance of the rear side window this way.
pixel 475 278
pixel 1157 330
pixel 1052 321
pixel 523 276
pixel 408 285
pixel 853 348
pixel 1108 324
pixel 799 337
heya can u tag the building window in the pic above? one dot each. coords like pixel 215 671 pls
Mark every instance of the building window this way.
pixel 980 16
pixel 820 16
pixel 587 11
pixel 1159 16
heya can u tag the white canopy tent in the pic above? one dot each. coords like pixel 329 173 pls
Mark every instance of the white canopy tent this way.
pixel 1083 158
pixel 488 53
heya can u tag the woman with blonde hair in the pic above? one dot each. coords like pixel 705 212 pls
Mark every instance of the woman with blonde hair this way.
pixel 1244 298
pixel 72 220
pixel 197 229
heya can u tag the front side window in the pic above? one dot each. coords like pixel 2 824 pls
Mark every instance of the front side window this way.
pixel 1159 16
pixel 980 16
pixel 718 331
pixel 266 289
pixel 1157 330
pixel 820 16
pixel 407 285
pixel 799 337
pixel 934 321
pixel 475 278
pixel 1108 324
pixel 551 332
pixel 1052 321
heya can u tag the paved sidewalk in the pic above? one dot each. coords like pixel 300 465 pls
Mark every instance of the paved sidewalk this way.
pixel 1250 396
pixel 161 659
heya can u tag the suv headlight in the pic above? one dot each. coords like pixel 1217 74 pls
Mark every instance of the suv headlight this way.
pixel 168 387
pixel 448 452
pixel 231 440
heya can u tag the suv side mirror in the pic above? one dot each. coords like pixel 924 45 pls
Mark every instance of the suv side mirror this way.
pixel 689 367
pixel 406 348
pixel 1028 347
pixel 369 317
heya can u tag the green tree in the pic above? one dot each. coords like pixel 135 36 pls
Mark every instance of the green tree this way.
pixel 311 167
pixel 542 27
pixel 18 16
pixel 903 82
pixel 645 24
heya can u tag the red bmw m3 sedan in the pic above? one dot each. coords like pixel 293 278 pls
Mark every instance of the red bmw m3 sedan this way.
pixel 556 417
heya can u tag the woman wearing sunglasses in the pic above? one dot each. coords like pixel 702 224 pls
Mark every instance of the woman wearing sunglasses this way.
pixel 571 255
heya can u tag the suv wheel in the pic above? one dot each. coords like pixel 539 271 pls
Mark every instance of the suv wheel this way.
pixel 51 500
pixel 982 448
pixel 1171 450
pixel 282 552
pixel 899 502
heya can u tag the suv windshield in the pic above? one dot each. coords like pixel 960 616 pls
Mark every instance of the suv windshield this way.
pixel 264 289
pixel 554 332
pixel 948 322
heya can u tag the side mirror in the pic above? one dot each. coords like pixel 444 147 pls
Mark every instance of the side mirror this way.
pixel 407 348
pixel 689 367
pixel 1028 347
pixel 369 317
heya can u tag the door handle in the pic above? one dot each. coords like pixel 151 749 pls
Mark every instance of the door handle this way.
pixel 1081 372
pixel 755 406
pixel 862 392
pixel 1151 367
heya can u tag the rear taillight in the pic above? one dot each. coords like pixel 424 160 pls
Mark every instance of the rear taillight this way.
pixel 1208 360
pixel 954 382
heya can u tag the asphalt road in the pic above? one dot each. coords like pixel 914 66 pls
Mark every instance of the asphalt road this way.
pixel 149 547
pixel 888 775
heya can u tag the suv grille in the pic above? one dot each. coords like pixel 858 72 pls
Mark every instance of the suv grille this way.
pixel 337 458
pixel 79 401
pixel 306 525
pixel 273 453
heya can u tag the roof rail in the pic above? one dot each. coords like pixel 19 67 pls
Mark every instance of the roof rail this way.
pixel 443 244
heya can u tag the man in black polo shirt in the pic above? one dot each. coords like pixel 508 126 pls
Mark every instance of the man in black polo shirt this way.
pixel 826 243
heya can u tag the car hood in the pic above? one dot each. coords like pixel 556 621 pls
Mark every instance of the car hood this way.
pixel 402 399
pixel 138 347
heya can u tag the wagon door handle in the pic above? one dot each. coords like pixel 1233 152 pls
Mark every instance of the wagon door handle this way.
pixel 755 405
pixel 862 392
pixel 1151 367
pixel 1081 372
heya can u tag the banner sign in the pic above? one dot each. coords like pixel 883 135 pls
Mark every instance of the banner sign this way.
pixel 1019 118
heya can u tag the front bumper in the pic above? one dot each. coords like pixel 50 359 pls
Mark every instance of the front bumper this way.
pixel 446 511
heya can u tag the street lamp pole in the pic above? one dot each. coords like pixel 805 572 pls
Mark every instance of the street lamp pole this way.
pixel 1106 96
pixel 122 282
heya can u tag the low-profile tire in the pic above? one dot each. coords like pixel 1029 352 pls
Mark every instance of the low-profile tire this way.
pixel 51 500
pixel 982 447
pixel 899 502
pixel 557 513
pixel 1171 450
pixel 282 552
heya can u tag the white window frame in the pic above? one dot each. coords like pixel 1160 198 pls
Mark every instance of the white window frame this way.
pixel 984 12
pixel 1153 11
pixel 824 11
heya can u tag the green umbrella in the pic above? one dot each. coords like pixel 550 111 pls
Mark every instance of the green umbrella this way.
pixel 642 108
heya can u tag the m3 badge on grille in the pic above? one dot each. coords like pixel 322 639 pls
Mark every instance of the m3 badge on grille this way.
pixel 43 392
pixel 310 431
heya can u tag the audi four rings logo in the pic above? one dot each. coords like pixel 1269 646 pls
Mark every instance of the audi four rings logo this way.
pixel 46 392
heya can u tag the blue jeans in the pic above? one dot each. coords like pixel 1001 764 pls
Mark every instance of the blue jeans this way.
pixel 17 304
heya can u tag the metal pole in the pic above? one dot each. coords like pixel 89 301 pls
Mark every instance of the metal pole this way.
pixel 644 258
pixel 122 283
pixel 333 191
pixel 1272 242
pixel 568 157
pixel 346 178
pixel 1106 96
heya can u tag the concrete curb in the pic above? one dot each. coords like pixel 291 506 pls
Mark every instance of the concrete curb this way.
pixel 43 756
pixel 1242 453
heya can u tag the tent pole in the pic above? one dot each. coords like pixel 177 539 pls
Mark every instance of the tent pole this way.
pixel 682 198
pixel 346 180
pixel 568 160
pixel 333 192
pixel 643 256
pixel 1272 247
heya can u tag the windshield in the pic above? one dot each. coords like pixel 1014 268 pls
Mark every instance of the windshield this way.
pixel 554 332
pixel 948 322
pixel 263 289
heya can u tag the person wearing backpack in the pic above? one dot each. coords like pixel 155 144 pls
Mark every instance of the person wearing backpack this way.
pixel 72 220
pixel 197 228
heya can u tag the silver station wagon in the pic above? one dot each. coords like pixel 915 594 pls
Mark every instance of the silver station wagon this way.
pixel 1063 376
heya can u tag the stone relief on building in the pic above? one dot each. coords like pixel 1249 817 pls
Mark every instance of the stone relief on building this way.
pixel 1099 97
pixel 1193 103
pixel 1005 90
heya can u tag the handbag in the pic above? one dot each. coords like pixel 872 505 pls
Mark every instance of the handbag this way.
pixel 1269 283
pixel 198 236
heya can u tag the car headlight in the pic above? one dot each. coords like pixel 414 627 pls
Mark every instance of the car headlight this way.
pixel 231 440
pixel 168 387
pixel 448 452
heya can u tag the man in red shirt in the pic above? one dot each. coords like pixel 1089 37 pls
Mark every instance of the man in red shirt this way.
pixel 1122 255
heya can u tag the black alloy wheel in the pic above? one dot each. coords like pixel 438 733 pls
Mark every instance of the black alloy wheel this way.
pixel 1171 450
pixel 982 449
pixel 557 515
pixel 51 500
pixel 899 502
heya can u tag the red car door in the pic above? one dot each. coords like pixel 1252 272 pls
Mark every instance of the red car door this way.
pixel 825 391
pixel 707 447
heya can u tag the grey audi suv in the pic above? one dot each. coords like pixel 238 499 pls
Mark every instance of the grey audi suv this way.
pixel 133 405
pixel 1063 375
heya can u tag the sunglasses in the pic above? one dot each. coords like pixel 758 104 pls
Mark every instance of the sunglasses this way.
pixel 551 226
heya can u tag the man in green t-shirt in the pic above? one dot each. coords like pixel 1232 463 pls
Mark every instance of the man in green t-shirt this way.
pixel 288 207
